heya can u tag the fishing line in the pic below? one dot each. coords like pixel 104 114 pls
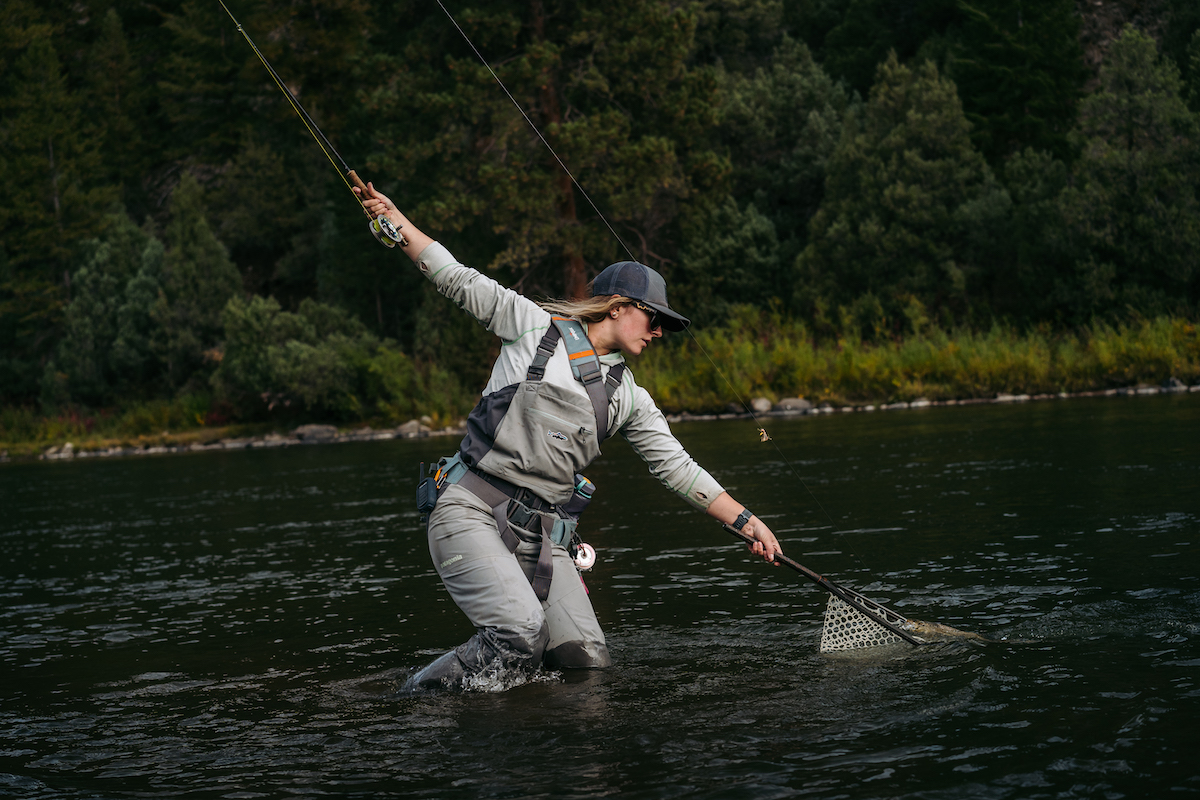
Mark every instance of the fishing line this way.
pixel 504 88
pixel 621 242
pixel 382 228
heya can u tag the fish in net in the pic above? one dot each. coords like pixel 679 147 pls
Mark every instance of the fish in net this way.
pixel 853 622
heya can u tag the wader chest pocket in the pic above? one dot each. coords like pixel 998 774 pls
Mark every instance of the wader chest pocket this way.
pixel 546 436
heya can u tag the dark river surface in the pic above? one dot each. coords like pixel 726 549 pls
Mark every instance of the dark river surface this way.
pixel 231 624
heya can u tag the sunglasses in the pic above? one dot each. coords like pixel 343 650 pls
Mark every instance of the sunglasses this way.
pixel 655 317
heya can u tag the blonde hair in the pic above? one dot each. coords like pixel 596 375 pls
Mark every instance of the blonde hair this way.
pixel 591 310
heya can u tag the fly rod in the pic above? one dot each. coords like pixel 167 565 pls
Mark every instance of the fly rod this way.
pixel 385 232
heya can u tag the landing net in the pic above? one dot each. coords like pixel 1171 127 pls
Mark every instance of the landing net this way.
pixel 847 628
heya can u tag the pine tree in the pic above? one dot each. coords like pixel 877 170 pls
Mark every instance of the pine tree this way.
pixel 240 131
pixel 134 360
pixel 732 257
pixel 1019 70
pixel 868 30
pixel 115 102
pixel 48 205
pixel 92 321
pixel 780 126
pixel 1181 41
pixel 1132 211
pixel 1040 254
pixel 911 212
pixel 197 280
pixel 611 89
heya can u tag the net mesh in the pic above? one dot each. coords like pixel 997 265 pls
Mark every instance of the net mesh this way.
pixel 847 628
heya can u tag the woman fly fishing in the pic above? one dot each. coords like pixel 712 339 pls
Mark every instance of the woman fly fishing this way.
pixel 501 534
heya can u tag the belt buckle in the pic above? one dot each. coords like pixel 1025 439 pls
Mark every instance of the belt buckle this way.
pixel 520 514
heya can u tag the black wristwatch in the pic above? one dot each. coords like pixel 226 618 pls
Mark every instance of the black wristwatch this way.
pixel 742 519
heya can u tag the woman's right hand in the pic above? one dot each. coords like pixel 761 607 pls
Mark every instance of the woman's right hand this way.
pixel 377 203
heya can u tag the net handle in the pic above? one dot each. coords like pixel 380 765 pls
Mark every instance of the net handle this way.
pixel 881 614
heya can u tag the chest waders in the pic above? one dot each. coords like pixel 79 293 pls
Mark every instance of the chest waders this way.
pixel 526 444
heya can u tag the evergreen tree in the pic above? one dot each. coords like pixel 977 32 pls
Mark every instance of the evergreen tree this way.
pixel 197 281
pixel 868 30
pixel 1035 181
pixel 780 126
pixel 611 89
pixel 240 131
pixel 912 214
pixel 1181 41
pixel 115 101
pixel 733 257
pixel 1019 70
pixel 1132 211
pixel 134 360
pixel 740 35
pixel 48 205
pixel 93 319
pixel 251 228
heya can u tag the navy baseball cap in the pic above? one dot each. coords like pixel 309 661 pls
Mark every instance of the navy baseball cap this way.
pixel 638 282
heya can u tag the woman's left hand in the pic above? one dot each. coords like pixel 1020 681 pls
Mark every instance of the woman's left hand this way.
pixel 765 544
pixel 725 509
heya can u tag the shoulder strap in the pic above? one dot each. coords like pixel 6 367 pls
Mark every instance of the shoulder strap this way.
pixel 613 381
pixel 545 349
pixel 585 366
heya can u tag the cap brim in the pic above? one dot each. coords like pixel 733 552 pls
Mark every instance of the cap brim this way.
pixel 671 320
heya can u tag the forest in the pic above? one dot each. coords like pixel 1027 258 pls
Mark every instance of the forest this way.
pixel 841 176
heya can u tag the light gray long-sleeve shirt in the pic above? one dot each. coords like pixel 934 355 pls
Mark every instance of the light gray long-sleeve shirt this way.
pixel 520 323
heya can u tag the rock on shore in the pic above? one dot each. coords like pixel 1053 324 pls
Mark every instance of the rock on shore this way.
pixel 760 407
pixel 303 435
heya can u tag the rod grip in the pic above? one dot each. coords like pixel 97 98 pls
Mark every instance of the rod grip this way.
pixel 362 187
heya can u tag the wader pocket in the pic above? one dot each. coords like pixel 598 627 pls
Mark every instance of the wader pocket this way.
pixel 547 435
pixel 427 493
pixel 562 531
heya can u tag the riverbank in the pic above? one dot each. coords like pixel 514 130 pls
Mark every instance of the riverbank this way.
pixel 759 408
pixel 753 366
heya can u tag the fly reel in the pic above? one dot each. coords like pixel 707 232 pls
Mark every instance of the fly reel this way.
pixel 386 233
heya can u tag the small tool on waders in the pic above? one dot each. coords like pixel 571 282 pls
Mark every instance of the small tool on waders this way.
pixel 382 228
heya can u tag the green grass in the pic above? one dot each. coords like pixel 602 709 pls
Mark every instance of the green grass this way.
pixel 766 355
pixel 184 420
pixel 752 355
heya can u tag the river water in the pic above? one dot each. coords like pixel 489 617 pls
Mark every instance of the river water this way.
pixel 230 624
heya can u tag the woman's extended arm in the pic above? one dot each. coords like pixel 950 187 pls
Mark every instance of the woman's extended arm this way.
pixel 726 509
pixel 377 203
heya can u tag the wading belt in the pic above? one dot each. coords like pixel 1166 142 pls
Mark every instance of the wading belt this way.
pixel 500 495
